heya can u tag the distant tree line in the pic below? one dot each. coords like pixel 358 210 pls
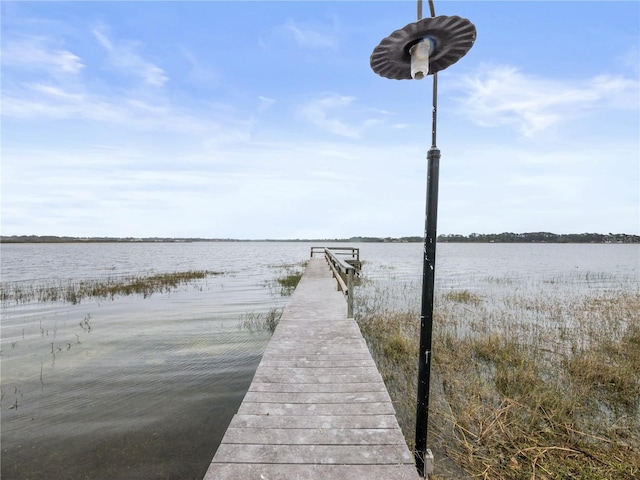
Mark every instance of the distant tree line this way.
pixel 541 237
pixel 507 237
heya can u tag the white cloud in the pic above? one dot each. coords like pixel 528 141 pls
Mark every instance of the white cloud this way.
pixel 317 112
pixel 265 103
pixel 123 57
pixel 44 101
pixel 37 53
pixel 257 191
pixel 328 113
pixel 503 95
pixel 306 37
pixel 149 109
pixel 57 93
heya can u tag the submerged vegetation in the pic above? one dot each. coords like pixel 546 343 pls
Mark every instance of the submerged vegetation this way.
pixel 289 282
pixel 261 322
pixel 289 278
pixel 525 384
pixel 74 291
pixel 285 283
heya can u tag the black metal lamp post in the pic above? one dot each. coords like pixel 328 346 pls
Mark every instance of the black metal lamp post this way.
pixel 415 51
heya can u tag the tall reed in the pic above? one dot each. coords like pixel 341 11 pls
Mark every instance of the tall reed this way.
pixel 527 384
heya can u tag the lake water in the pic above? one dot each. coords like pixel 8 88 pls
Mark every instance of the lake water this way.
pixel 144 388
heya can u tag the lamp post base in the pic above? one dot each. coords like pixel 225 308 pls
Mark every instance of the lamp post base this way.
pixel 428 464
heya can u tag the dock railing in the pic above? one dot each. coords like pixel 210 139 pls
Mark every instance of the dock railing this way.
pixel 345 264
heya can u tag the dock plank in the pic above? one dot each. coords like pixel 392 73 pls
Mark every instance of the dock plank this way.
pixel 316 397
pixel 234 471
pixel 317 407
pixel 301 409
pixel 313 454
pixel 318 388
pixel 355 422
pixel 315 436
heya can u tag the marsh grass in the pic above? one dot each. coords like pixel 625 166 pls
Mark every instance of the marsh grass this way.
pixel 525 385
pixel 463 296
pixel 74 291
pixel 286 283
pixel 289 278
pixel 261 321
pixel 289 282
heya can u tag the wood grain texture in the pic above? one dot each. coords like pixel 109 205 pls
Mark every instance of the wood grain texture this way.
pixel 317 407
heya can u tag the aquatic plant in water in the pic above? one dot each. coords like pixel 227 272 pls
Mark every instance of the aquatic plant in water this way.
pixel 261 321
pixel 288 280
pixel 526 383
pixel 74 291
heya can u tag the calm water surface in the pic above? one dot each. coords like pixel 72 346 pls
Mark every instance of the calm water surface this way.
pixel 145 388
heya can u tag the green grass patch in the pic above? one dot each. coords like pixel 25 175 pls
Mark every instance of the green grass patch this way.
pixel 290 282
pixel 290 277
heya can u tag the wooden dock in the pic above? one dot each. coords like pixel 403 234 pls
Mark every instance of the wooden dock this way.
pixel 317 407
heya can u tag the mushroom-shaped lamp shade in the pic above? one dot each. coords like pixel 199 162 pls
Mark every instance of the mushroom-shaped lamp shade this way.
pixel 443 39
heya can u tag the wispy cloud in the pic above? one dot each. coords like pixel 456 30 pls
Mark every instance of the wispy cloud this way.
pixel 630 58
pixel 265 103
pixel 36 52
pixel 123 57
pixel 328 112
pixel 57 93
pixel 503 95
pixel 198 72
pixel 310 37
pixel 42 101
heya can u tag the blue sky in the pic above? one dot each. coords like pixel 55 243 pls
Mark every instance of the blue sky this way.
pixel 264 120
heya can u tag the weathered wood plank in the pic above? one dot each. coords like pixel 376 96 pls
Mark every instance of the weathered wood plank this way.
pixel 235 471
pixel 317 387
pixel 354 422
pixel 326 371
pixel 304 363
pixel 305 357
pixel 316 397
pixel 298 409
pixel 311 349
pixel 317 407
pixel 315 436
pixel 313 454
pixel 310 377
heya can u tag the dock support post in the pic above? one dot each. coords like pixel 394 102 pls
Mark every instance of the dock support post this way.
pixel 350 294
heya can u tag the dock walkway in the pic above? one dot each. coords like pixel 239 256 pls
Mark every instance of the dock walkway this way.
pixel 317 407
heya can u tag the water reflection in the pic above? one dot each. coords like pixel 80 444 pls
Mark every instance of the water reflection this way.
pixel 145 388
pixel 129 388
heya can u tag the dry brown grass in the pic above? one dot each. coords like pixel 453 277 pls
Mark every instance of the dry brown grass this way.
pixel 523 387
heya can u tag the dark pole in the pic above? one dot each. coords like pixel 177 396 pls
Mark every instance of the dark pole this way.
pixel 450 38
pixel 428 283
pixel 426 314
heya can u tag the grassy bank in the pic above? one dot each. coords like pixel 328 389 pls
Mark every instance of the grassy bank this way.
pixel 74 291
pixel 525 384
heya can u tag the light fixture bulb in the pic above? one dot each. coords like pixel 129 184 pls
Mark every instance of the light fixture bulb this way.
pixel 420 58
